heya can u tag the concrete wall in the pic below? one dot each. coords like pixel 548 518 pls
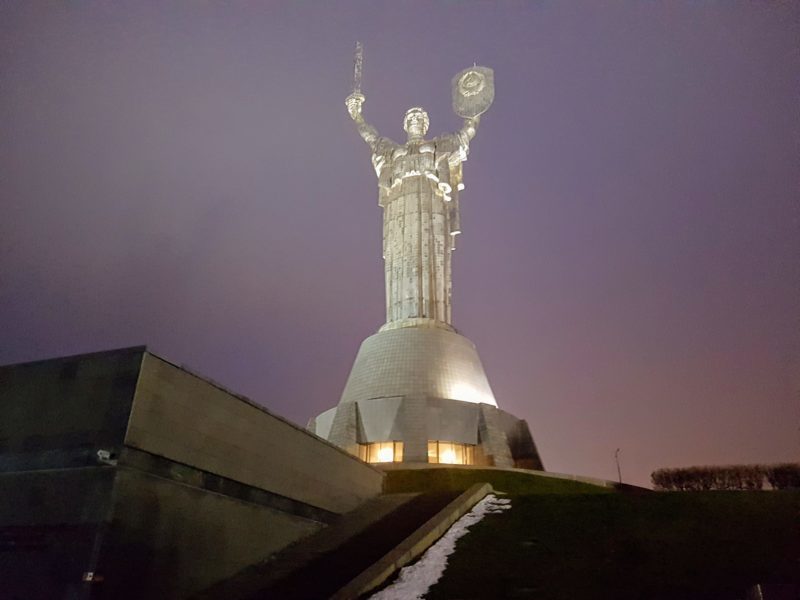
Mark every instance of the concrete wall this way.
pixel 170 540
pixel 145 536
pixel 202 483
pixel 50 524
pixel 58 413
pixel 182 417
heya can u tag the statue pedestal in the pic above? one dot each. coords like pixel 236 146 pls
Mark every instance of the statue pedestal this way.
pixel 426 388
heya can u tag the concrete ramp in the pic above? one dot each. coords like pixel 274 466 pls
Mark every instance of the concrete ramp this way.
pixel 356 554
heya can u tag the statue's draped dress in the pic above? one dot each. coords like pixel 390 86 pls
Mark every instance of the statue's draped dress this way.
pixel 419 183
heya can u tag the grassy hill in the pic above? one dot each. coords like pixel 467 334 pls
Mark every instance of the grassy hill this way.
pixel 581 546
pixel 510 482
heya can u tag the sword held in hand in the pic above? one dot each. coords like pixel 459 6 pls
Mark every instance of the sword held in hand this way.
pixel 356 99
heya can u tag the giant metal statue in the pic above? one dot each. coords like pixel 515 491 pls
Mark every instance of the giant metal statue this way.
pixel 418 187
pixel 417 392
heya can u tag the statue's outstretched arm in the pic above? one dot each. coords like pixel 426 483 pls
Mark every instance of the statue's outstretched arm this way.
pixel 456 145
pixel 367 132
pixel 469 129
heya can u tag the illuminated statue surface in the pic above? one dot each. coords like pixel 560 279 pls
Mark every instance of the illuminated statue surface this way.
pixel 418 392
pixel 419 183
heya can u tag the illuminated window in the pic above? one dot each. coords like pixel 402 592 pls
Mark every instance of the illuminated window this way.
pixel 451 453
pixel 381 452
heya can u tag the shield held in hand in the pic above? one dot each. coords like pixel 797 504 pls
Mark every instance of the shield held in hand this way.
pixel 473 91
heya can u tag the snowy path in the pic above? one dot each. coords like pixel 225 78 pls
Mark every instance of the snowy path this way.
pixel 415 580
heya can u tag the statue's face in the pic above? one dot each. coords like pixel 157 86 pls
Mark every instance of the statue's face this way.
pixel 416 122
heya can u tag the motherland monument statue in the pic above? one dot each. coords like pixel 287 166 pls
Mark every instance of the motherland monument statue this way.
pixel 417 392
pixel 419 183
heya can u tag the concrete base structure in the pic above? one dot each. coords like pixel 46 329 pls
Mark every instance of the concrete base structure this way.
pixel 424 389
pixel 125 476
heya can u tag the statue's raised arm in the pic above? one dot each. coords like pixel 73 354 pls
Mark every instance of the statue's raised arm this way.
pixel 355 102
pixel 469 129
pixel 368 133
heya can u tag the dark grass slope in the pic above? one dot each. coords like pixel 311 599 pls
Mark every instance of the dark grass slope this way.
pixel 458 479
pixel 682 545
pixel 325 575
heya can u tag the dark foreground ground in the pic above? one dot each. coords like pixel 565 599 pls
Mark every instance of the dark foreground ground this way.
pixel 565 540
pixel 669 545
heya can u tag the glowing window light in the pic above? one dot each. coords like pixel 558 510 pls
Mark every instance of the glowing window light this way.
pixel 381 452
pixel 448 457
pixel 433 452
pixel 386 454
pixel 451 453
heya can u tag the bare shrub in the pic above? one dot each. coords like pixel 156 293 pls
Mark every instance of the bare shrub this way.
pixel 727 477
pixel 783 476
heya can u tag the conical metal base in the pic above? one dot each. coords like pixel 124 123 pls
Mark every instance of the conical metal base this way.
pixel 418 385
pixel 421 362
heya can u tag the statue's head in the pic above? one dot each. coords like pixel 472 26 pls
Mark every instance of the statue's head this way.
pixel 416 122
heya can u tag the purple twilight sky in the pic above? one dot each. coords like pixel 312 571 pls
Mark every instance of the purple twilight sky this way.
pixel 184 175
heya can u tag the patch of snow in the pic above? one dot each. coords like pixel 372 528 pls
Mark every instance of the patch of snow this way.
pixel 415 580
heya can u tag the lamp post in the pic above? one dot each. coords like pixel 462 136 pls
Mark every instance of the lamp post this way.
pixel 616 458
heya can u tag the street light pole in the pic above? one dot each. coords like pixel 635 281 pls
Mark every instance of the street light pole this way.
pixel 616 458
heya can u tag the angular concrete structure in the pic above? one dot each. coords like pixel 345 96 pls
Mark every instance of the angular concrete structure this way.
pixel 125 476
pixel 417 392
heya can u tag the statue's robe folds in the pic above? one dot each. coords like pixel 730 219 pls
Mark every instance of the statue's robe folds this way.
pixel 419 183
